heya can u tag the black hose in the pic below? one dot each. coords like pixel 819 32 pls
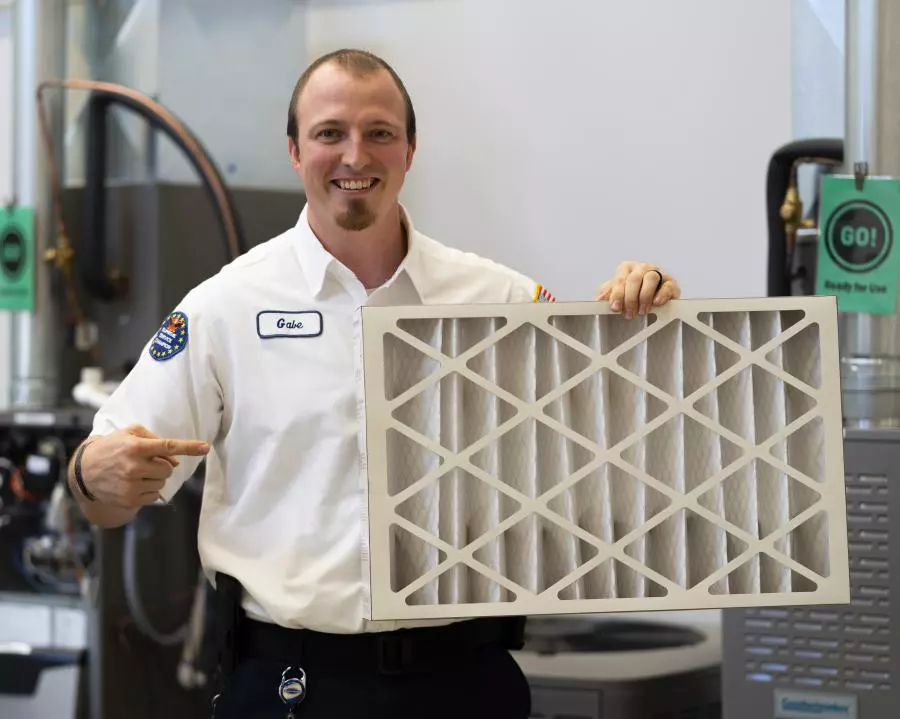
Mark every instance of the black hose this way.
pixel 778 180
pixel 95 274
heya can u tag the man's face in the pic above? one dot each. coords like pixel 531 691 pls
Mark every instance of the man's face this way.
pixel 352 153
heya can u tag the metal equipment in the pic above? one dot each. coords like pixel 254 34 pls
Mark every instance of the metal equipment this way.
pixel 643 666
pixel 46 559
pixel 846 658
pixel 840 661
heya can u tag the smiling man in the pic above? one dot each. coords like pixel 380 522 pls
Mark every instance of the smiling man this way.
pixel 355 190
pixel 281 527
pixel 352 137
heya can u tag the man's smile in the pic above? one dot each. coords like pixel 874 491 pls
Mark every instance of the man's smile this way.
pixel 357 186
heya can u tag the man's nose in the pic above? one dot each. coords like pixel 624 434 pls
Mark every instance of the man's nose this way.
pixel 355 155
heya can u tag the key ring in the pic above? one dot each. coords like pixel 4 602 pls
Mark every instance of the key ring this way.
pixel 292 689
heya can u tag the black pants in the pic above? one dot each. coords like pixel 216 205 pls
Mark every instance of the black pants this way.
pixel 484 683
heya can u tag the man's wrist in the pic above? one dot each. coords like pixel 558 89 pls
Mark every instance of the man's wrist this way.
pixel 78 474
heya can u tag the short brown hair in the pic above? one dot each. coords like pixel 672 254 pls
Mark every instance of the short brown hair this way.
pixel 359 63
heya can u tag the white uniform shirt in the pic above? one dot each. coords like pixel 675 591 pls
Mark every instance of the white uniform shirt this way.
pixel 282 506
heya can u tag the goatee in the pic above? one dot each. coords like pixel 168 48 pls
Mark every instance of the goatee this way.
pixel 357 217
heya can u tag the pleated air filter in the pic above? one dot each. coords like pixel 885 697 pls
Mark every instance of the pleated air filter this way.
pixel 556 458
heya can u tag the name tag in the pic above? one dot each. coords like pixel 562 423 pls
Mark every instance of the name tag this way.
pixel 271 324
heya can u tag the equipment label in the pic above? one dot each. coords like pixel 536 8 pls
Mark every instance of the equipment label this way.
pixel 858 259
pixel 17 259
pixel 803 705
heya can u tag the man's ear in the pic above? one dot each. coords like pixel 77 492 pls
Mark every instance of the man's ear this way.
pixel 410 151
pixel 294 152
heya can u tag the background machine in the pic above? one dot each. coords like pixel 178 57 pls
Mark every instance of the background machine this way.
pixel 845 660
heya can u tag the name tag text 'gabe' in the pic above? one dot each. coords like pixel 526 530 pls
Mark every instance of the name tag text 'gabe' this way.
pixel 271 324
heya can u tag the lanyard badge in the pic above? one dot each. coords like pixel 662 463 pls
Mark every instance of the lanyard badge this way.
pixel 292 689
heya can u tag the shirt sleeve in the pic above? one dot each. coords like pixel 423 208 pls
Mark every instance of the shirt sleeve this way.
pixel 173 389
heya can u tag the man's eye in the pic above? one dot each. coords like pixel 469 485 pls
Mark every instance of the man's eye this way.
pixel 329 134
pixel 383 134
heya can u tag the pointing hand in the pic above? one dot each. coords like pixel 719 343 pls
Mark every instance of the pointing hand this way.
pixel 129 467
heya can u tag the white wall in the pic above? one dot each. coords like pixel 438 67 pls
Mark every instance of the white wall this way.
pixel 562 137
pixel 6 174
pixel 227 69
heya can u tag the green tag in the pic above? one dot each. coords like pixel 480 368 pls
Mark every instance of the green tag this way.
pixel 858 259
pixel 17 259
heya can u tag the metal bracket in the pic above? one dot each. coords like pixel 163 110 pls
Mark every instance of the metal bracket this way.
pixel 860 173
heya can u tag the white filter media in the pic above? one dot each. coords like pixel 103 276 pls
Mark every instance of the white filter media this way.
pixel 556 458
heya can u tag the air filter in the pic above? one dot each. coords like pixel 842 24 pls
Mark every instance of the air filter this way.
pixel 556 458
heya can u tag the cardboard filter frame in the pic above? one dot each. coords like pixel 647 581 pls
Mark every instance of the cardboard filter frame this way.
pixel 557 458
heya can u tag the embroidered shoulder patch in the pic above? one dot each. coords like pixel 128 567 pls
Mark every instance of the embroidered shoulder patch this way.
pixel 542 295
pixel 171 337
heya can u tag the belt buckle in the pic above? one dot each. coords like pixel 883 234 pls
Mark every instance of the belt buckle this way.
pixel 395 654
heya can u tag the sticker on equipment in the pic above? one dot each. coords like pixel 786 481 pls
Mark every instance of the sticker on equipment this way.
pixel 171 337
pixel 542 295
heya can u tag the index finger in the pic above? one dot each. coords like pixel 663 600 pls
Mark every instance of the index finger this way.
pixel 169 447
pixel 603 291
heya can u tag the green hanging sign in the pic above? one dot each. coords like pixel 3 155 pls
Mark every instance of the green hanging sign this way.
pixel 17 249
pixel 858 259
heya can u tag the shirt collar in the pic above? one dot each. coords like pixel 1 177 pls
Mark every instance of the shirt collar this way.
pixel 316 262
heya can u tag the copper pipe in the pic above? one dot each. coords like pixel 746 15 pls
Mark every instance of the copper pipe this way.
pixel 63 253
pixel 209 172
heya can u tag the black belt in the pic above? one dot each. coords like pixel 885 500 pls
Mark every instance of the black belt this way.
pixel 385 652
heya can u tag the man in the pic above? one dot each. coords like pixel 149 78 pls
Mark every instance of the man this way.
pixel 274 401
